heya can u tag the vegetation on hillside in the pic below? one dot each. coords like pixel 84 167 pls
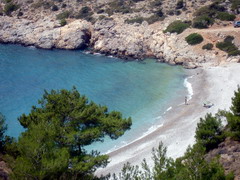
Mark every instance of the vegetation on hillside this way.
pixel 10 7
pixel 193 165
pixel 228 46
pixel 52 147
pixel 56 133
pixel 194 39
pixel 208 46
pixel 177 27
pixel 3 128
pixel 143 10
pixel 205 16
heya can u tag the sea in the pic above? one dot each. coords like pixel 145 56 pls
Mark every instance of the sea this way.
pixel 143 90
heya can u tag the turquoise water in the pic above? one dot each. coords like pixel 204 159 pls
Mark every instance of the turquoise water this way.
pixel 142 90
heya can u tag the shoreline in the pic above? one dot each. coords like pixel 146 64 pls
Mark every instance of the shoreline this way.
pixel 169 107
pixel 178 129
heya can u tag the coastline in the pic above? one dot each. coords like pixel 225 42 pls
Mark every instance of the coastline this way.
pixel 214 84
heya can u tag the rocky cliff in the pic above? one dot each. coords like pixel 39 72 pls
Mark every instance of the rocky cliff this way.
pixel 112 35
pixel 229 156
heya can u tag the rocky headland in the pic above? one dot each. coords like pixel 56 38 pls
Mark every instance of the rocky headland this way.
pixel 113 36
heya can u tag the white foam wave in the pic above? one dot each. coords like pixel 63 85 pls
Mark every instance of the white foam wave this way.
pixel 188 85
pixel 32 47
pixel 97 54
pixel 168 109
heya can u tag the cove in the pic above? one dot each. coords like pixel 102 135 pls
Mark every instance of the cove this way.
pixel 143 90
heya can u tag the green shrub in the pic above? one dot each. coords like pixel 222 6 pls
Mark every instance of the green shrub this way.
pixel 194 39
pixel 225 16
pixel 63 5
pixel 154 18
pixel 3 129
pixel 208 46
pixel 119 6
pixel 234 53
pixel 156 3
pixel 235 5
pixel 63 22
pixel 229 39
pixel 180 4
pixel 209 132
pixel 63 15
pixel 9 8
pixel 228 46
pixel 205 16
pixel 54 8
pixel 233 117
pixel 159 13
pixel 85 13
pixel 204 11
pixel 135 20
pixel 177 27
pixel 201 22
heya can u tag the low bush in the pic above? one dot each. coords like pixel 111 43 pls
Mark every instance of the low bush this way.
pixel 202 22
pixel 204 11
pixel 225 16
pixel 208 46
pixel 209 132
pixel 228 46
pixel 54 8
pixel 63 15
pixel 233 117
pixel 180 4
pixel 63 22
pixel 135 20
pixel 63 5
pixel 177 27
pixel 156 3
pixel 9 8
pixel 85 13
pixel 119 6
pixel 205 16
pixel 194 39
pixel 154 18
pixel 235 5
pixel 229 39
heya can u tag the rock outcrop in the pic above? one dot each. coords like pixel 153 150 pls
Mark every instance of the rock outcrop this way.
pixel 141 41
pixel 229 156
pixel 44 33
pixel 111 37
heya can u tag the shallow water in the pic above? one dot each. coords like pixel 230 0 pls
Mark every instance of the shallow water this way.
pixel 142 90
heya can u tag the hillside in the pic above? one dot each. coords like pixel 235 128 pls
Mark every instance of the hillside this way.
pixel 128 29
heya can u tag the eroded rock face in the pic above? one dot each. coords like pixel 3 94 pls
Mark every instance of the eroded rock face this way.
pixel 229 152
pixel 107 36
pixel 45 33
pixel 140 41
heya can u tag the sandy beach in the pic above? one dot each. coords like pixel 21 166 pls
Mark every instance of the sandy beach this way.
pixel 214 84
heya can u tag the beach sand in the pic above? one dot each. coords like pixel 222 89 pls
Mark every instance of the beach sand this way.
pixel 214 84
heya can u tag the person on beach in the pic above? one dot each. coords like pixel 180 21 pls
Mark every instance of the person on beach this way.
pixel 186 100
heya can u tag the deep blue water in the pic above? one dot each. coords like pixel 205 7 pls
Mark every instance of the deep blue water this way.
pixel 142 90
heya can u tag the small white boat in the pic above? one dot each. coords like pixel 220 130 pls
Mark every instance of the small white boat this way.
pixel 207 104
